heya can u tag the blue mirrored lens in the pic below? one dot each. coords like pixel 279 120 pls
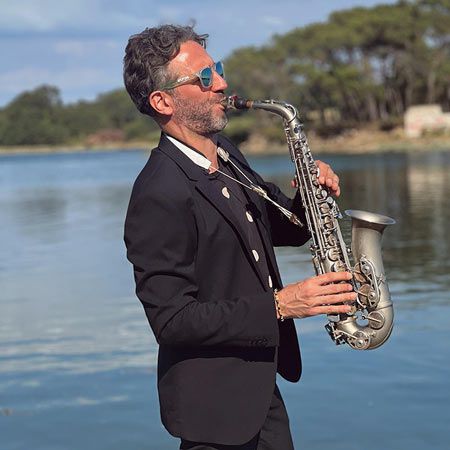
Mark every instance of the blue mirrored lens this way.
pixel 218 67
pixel 206 76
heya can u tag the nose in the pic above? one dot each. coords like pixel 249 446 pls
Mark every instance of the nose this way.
pixel 219 83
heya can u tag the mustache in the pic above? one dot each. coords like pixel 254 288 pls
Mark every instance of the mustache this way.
pixel 221 99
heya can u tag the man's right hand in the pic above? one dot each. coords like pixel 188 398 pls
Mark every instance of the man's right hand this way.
pixel 322 294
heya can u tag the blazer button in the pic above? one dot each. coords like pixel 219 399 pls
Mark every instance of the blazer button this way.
pixel 225 192
pixel 255 255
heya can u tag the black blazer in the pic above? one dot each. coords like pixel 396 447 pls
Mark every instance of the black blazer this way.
pixel 208 304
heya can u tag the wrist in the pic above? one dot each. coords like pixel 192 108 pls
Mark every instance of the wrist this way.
pixel 276 298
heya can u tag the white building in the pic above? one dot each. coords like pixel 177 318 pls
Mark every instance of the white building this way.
pixel 425 118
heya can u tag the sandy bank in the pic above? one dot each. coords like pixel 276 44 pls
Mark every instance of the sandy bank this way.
pixel 357 142
pixel 353 141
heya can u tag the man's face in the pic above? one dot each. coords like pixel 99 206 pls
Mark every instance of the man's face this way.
pixel 197 108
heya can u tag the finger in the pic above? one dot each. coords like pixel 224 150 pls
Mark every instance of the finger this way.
pixel 335 288
pixel 332 277
pixel 328 180
pixel 323 166
pixel 330 309
pixel 332 180
pixel 323 171
pixel 335 298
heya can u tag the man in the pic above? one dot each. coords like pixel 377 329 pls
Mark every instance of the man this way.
pixel 201 245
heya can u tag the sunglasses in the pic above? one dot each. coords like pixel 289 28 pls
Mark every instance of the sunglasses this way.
pixel 205 76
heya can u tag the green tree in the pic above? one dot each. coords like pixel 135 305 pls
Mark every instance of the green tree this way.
pixel 34 117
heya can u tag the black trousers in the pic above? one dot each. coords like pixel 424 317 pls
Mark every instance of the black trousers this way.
pixel 274 434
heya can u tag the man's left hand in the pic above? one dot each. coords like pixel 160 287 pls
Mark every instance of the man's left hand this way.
pixel 326 177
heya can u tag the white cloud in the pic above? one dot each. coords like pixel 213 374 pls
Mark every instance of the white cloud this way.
pixel 92 15
pixel 41 15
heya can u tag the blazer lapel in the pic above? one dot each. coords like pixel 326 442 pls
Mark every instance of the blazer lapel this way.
pixel 192 170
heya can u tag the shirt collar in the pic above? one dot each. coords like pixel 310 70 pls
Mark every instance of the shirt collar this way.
pixel 193 155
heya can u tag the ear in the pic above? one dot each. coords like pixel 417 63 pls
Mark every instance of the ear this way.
pixel 161 102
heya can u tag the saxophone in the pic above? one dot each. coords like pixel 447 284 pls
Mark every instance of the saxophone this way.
pixel 370 322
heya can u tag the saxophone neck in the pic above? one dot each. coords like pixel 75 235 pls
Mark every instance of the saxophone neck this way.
pixel 287 111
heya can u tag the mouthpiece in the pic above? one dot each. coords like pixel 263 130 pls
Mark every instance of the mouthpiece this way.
pixel 235 102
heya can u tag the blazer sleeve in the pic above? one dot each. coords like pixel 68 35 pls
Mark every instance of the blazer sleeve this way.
pixel 161 240
pixel 283 231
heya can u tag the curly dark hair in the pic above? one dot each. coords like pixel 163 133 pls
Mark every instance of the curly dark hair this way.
pixel 147 56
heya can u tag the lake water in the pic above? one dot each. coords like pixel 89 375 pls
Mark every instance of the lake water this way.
pixel 77 358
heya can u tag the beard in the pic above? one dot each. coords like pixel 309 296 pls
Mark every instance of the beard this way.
pixel 199 117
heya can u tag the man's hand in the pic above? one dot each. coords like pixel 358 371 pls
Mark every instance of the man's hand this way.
pixel 327 178
pixel 317 295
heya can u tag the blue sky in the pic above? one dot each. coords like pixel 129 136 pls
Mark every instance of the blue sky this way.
pixel 78 45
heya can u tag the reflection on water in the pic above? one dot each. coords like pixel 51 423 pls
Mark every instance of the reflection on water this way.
pixel 63 266
pixel 69 319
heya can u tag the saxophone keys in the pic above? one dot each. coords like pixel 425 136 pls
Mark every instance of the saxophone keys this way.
pixel 328 223
pixel 358 275
pixel 359 340
pixel 321 194
pixel 338 266
pixel 365 269
pixel 324 208
pixel 367 297
pixel 331 240
pixel 373 298
pixel 333 254
pixel 376 320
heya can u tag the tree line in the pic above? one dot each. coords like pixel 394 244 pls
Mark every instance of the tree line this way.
pixel 40 117
pixel 363 65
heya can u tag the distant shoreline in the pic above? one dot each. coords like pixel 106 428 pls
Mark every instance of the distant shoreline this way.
pixel 353 142
pixel 54 149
